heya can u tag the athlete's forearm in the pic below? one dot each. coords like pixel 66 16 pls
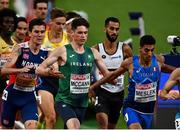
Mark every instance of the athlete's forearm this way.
pixel 101 81
pixel 7 71
pixel 42 71
pixel 163 94
pixel 168 68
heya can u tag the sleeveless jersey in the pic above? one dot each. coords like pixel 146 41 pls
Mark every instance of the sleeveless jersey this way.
pixel 73 89
pixel 112 62
pixel 52 82
pixel 5 52
pixel 28 58
pixel 143 85
pixel 51 45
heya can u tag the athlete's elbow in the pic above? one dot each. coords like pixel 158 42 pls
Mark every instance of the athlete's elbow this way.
pixel 3 71
pixel 38 71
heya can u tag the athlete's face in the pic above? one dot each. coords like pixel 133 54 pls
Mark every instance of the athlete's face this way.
pixel 21 30
pixel 37 34
pixel 58 24
pixel 112 31
pixel 41 10
pixel 4 4
pixel 8 25
pixel 146 52
pixel 80 35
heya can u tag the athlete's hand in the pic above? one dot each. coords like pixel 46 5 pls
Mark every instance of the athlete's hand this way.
pixel 55 73
pixel 91 93
pixel 113 82
pixel 26 69
pixel 92 100
pixel 173 95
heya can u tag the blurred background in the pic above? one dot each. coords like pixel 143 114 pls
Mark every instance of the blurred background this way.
pixel 160 18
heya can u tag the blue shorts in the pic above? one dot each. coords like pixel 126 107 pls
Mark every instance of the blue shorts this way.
pixel 131 116
pixel 14 100
pixel 67 111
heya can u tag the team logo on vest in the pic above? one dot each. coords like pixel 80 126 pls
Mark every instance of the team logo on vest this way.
pixel 115 57
pixel 25 56
pixel 103 56
pixel 146 74
pixel 81 64
pixel 26 50
pixel 26 63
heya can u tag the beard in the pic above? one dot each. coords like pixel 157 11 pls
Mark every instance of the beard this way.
pixel 110 38
pixel 9 33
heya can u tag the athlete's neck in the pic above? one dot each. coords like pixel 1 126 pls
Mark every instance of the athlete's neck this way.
pixel 144 63
pixel 7 38
pixel 16 39
pixel 79 48
pixel 34 47
pixel 110 47
pixel 55 36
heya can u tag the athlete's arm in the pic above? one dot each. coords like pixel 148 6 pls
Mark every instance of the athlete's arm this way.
pixel 164 67
pixel 99 62
pixel 173 80
pixel 9 68
pixel 96 47
pixel 45 68
pixel 55 65
pixel 114 74
pixel 127 51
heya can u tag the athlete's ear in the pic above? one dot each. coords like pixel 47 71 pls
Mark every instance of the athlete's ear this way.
pixel 50 22
pixel 72 33
pixel 104 29
pixel 29 33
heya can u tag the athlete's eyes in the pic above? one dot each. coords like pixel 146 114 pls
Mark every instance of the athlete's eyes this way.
pixel 113 28
pixel 37 31
pixel 148 50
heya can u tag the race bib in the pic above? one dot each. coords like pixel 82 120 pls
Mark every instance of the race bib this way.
pixel 119 86
pixel 5 95
pixel 145 92
pixel 25 80
pixel 79 83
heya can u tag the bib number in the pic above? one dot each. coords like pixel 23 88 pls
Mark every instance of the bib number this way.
pixel 5 95
pixel 145 92
pixel 79 84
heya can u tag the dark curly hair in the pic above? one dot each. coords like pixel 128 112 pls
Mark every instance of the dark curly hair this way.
pixel 6 12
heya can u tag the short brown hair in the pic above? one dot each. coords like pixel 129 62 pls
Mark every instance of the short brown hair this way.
pixel 55 13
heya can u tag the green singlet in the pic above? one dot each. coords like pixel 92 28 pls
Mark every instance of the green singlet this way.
pixel 73 89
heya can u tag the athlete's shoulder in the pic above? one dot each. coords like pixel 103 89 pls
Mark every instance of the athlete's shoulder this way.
pixel 44 48
pixel 23 45
pixel 128 61
pixel 97 46
pixel 160 58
